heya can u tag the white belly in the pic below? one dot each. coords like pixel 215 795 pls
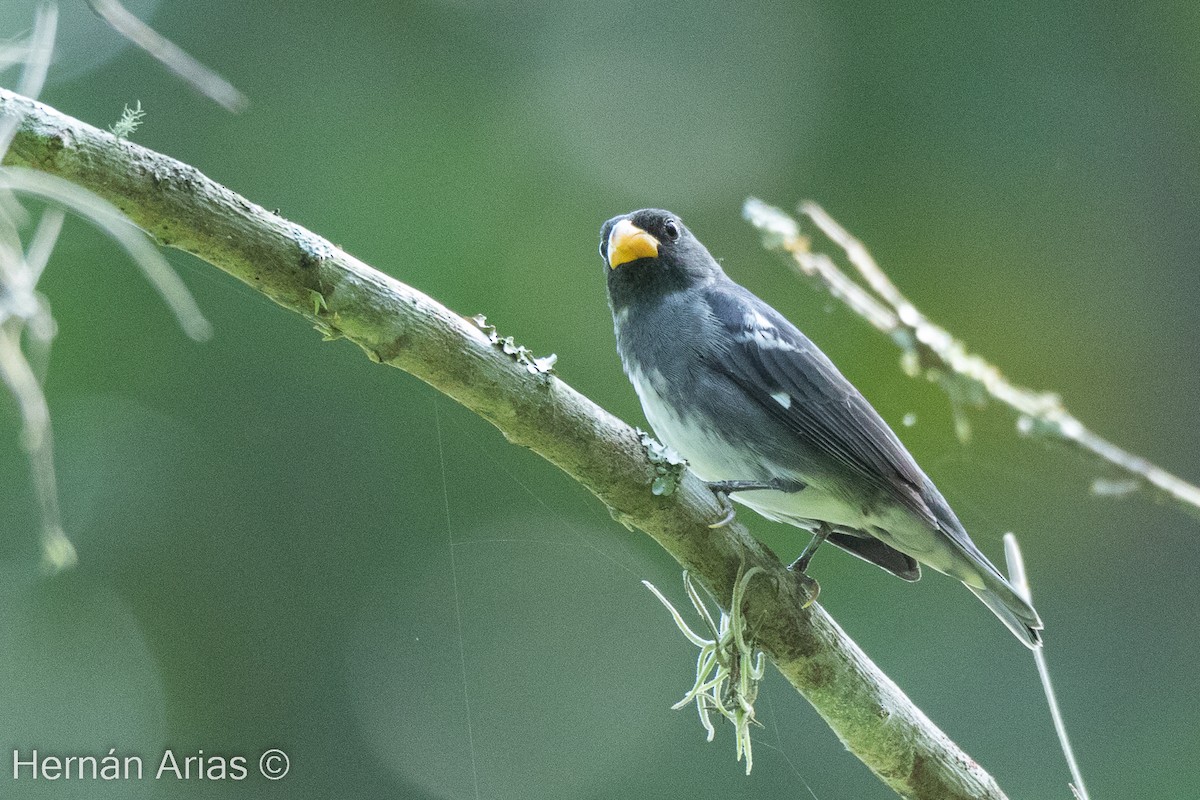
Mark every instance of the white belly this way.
pixel 713 458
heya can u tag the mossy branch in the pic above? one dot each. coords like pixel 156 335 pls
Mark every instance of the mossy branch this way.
pixel 401 327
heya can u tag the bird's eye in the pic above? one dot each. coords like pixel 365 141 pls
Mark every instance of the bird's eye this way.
pixel 671 229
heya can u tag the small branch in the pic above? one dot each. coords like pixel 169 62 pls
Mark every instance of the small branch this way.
pixel 397 325
pixel 1016 576
pixel 170 55
pixel 931 350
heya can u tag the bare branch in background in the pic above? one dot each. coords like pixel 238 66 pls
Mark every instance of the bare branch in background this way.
pixel 25 315
pixel 931 351
pixel 397 325
pixel 170 55
pixel 26 326
pixel 35 63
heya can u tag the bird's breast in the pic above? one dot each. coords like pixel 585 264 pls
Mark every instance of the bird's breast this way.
pixel 683 401
pixel 682 426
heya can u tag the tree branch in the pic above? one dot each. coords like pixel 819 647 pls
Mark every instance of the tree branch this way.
pixel 931 350
pixel 399 326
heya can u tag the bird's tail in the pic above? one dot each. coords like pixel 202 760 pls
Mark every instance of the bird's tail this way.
pixel 1013 611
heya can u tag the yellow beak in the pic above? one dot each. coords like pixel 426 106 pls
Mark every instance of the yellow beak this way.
pixel 627 242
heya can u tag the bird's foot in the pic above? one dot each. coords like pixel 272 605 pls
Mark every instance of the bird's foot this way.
pixel 800 565
pixel 723 489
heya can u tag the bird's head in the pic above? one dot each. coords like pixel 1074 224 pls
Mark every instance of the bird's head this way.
pixel 650 252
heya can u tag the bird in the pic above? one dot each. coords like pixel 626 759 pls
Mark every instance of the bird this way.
pixel 763 416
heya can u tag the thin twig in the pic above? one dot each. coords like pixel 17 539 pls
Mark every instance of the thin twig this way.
pixel 38 51
pixel 26 325
pixel 1016 576
pixel 15 373
pixel 110 220
pixel 25 315
pixel 171 55
pixel 931 351
pixel 41 244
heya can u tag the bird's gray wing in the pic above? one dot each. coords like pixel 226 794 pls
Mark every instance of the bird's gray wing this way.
pixel 836 431
pixel 834 427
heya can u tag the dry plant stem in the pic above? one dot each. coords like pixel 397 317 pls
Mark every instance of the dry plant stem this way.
pixel 399 326
pixel 24 314
pixel 38 52
pixel 1016 576
pixel 18 377
pixel 170 55
pixel 940 356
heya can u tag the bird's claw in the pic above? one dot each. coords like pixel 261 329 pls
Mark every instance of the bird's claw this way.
pixel 811 588
pixel 726 506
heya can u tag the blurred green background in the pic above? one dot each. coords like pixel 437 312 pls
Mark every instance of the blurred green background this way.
pixel 284 545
